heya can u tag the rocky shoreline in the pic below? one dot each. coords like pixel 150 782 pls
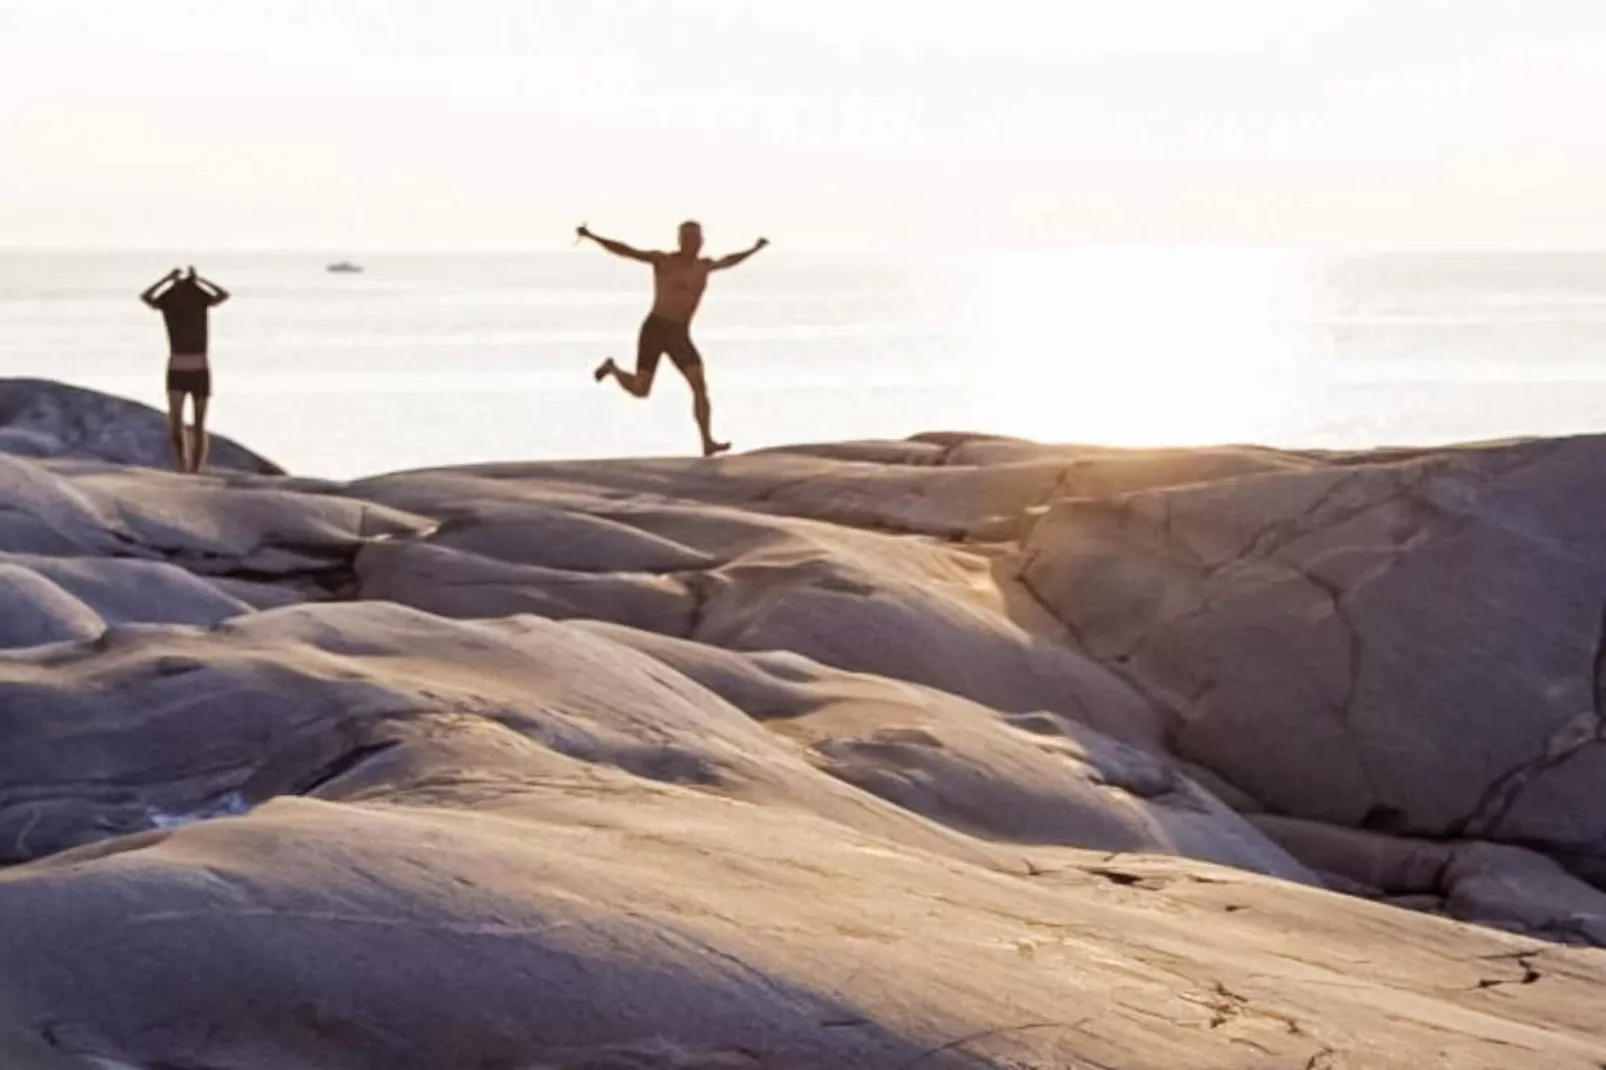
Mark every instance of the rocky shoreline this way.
pixel 959 751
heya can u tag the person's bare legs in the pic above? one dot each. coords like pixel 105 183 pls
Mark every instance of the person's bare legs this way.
pixel 637 383
pixel 198 439
pixel 702 408
pixel 175 430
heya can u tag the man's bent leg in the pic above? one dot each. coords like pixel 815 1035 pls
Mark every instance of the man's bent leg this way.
pixel 649 348
pixel 639 382
pixel 198 439
pixel 175 430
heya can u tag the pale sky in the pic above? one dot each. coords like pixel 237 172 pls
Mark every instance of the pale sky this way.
pixel 501 123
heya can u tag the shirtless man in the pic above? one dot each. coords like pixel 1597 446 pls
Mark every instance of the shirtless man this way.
pixel 184 299
pixel 678 282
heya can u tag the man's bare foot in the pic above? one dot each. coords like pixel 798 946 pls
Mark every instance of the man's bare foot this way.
pixel 711 447
pixel 605 369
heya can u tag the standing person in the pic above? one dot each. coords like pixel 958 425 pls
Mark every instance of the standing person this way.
pixel 185 299
pixel 679 279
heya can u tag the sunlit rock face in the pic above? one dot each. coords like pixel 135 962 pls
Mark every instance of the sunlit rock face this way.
pixel 960 752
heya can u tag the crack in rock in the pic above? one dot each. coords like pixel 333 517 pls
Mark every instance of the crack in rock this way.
pixel 1023 577
pixel 1583 730
pixel 1271 537
pixel 348 762
pixel 702 587
pixel 1225 1005
pixel 988 1034
pixel 1530 972
pixel 1125 880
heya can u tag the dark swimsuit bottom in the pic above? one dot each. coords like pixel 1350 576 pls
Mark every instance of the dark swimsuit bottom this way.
pixel 660 336
pixel 197 381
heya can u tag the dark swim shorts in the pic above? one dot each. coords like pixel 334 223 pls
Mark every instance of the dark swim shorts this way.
pixel 661 336
pixel 197 381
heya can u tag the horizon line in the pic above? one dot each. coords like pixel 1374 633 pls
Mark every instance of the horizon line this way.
pixel 883 248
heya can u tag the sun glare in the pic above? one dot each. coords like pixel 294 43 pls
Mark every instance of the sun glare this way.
pixel 1137 346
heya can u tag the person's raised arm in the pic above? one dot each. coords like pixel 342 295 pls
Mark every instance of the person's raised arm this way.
pixel 617 248
pixel 736 258
pixel 217 293
pixel 149 296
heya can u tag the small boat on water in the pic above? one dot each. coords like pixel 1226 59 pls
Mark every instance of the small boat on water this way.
pixel 345 267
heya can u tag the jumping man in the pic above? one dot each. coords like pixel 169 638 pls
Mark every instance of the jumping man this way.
pixel 184 299
pixel 678 282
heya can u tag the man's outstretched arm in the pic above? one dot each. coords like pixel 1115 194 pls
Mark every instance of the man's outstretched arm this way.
pixel 149 296
pixel 617 248
pixel 736 258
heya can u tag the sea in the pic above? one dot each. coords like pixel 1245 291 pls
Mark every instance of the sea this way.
pixel 429 359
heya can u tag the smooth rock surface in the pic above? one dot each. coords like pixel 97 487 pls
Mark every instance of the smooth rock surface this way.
pixel 128 590
pixel 40 418
pixel 33 611
pixel 955 752
pixel 521 841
